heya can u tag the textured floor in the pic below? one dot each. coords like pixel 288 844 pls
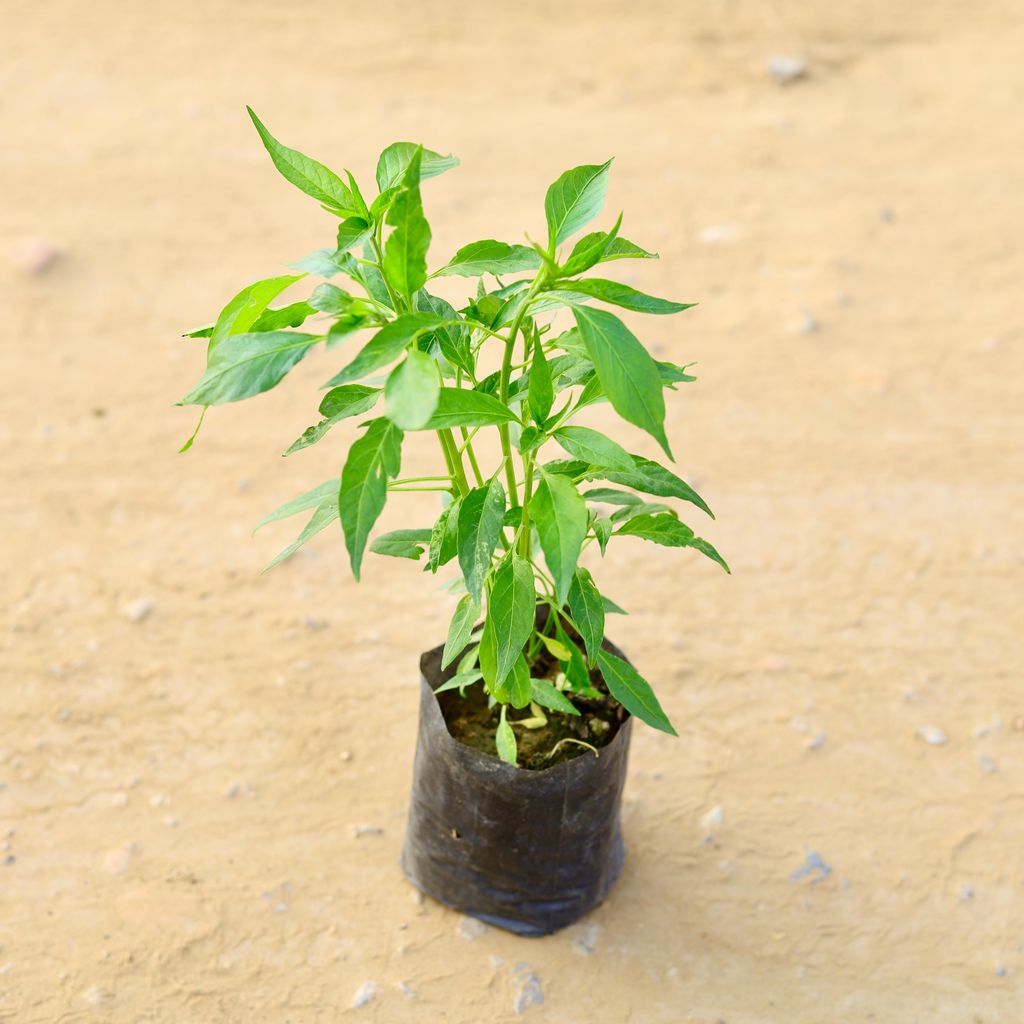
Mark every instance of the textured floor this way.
pixel 201 810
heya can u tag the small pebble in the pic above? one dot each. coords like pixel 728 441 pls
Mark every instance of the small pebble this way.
pixel 787 68
pixel 807 324
pixel 932 735
pixel 586 942
pixel 529 991
pixel 984 728
pixel 366 830
pixel 365 994
pixel 170 821
pixel 117 862
pixel 345 755
pixel 119 800
pixel 470 928
pixel 966 893
pixel 138 610
pixel 96 996
pixel 813 865
pixel 10 859
pixel 712 820
pixel 1001 970
pixel 774 663
pixel 34 255
pixel 886 215
pixel 237 789
pixel 987 764
pixel 159 800
pixel 817 741
pixel 406 990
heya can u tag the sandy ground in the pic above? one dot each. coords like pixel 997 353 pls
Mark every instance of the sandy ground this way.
pixel 182 797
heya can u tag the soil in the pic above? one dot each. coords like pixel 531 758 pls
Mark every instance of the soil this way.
pixel 204 772
pixel 472 722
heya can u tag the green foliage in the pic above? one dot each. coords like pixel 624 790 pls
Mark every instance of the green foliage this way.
pixel 519 525
pixel 372 460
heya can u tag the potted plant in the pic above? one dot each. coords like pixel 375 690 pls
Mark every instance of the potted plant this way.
pixel 525 718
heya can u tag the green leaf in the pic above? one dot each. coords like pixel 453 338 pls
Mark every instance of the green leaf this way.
pixel 245 308
pixel 461 629
pixel 672 374
pixel 560 516
pixel 573 200
pixel 545 693
pixel 666 530
pixel 611 496
pixel 412 390
pixel 633 692
pixel 623 515
pixel 606 248
pixel 511 610
pixel 329 298
pixel 589 250
pixel 444 537
pixel 626 371
pixel 576 671
pixel 362 210
pixel 460 407
pixel 651 478
pixel 621 248
pixel 587 611
pixel 395 160
pixel 460 681
pixel 505 741
pixel 611 607
pixel 479 527
pixel 401 543
pixel 405 254
pixel 386 346
pixel 326 491
pixel 530 438
pixel 338 404
pixel 593 447
pixel 352 232
pixel 453 337
pixel 556 647
pixel 602 527
pixel 325 514
pixel 348 400
pixel 243 365
pixel 293 315
pixel 489 257
pixel 307 174
pixel 372 459
pixel 541 393
pixel 619 295
pixel 323 263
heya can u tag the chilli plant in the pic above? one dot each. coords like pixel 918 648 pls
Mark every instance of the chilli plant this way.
pixel 515 524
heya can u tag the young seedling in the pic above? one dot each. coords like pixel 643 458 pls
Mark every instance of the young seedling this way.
pixel 515 527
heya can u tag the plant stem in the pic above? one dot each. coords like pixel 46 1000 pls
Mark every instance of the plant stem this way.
pixel 506 373
pixel 524 536
pixel 419 480
pixel 406 490
pixel 454 459
pixel 380 266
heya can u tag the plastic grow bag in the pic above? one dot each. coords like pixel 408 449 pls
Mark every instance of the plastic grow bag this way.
pixel 528 851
